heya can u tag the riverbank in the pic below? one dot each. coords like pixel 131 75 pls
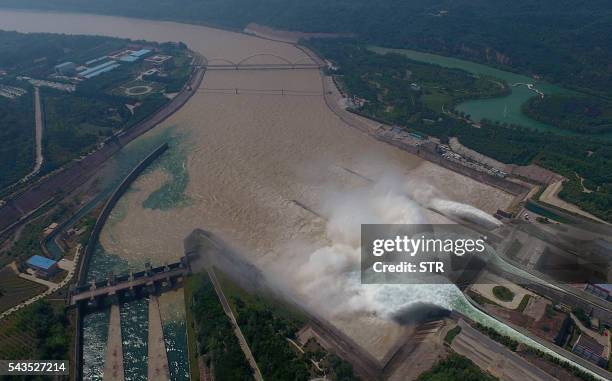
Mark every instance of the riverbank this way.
pixel 19 206
pixel 256 167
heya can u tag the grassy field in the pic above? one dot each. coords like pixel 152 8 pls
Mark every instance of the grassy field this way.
pixel 15 290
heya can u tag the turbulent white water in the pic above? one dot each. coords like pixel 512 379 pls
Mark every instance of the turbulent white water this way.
pixel 243 163
pixel 330 278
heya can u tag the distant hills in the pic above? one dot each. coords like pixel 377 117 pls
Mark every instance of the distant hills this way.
pixel 563 41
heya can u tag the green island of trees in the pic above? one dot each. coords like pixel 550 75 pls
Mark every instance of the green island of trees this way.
pixel 503 293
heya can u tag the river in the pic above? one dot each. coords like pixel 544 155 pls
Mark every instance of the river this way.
pixel 243 166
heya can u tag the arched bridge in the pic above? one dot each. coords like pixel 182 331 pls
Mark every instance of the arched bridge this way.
pixel 248 63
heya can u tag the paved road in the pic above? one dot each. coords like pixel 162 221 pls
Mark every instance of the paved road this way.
pixel 39 130
pixel 494 357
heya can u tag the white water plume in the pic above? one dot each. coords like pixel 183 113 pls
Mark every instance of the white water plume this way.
pixel 329 276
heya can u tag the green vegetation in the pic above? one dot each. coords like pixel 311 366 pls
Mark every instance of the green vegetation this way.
pixel 339 369
pixel 524 303
pixel 561 41
pixel 267 324
pixel 582 316
pixel 28 243
pixel 16 137
pixel 266 333
pixel 480 299
pixel 451 334
pixel 191 283
pixel 493 334
pixel 33 54
pixel 40 331
pixel 563 364
pixel 215 335
pixel 513 345
pixel 455 367
pixel 75 122
pixel 382 81
pixel 503 293
pixel 587 115
pixel 399 90
pixel 14 290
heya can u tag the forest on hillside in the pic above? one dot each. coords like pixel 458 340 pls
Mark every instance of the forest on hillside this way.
pixel 563 41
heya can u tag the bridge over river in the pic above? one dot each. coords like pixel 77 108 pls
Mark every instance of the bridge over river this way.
pixel 250 63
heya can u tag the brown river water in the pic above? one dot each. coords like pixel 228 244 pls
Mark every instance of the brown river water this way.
pixel 249 157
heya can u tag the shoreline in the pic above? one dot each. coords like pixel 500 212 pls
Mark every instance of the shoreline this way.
pixel 17 209
pixel 330 90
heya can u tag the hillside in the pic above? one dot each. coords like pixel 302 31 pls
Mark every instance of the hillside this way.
pixel 563 41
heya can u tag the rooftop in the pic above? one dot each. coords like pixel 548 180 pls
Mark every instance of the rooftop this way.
pixel 606 287
pixel 589 344
pixel 64 65
pixel 41 262
pixel 140 52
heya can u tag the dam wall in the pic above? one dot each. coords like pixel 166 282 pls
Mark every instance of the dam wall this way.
pixel 108 207
pixel 91 244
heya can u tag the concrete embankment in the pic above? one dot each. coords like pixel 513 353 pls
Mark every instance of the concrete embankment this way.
pixel 367 125
pixel 110 204
pixel 157 357
pixel 91 244
pixel 113 364
pixel 58 184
